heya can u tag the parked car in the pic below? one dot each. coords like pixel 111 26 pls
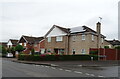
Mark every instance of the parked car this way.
pixel 9 55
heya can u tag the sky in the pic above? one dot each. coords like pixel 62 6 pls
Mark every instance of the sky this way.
pixel 36 17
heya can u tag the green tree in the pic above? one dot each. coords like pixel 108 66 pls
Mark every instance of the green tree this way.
pixel 19 48
pixel 12 49
pixel 4 51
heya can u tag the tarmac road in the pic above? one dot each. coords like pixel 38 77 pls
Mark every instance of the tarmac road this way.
pixel 65 69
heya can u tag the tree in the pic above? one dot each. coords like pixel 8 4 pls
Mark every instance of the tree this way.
pixel 19 48
pixel 12 49
pixel 4 51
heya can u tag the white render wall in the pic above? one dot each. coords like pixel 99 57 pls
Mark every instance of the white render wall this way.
pixel 9 43
pixel 56 32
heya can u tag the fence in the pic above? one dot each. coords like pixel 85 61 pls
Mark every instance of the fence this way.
pixel 107 54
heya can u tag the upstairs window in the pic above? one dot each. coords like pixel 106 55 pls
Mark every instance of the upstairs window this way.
pixel 83 37
pixel 102 40
pixel 59 38
pixel 92 37
pixel 49 39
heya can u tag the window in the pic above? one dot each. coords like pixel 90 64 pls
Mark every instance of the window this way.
pixel 25 44
pixel 20 43
pixel 92 37
pixel 73 51
pixel 35 45
pixel 83 37
pixel 74 38
pixel 83 51
pixel 102 40
pixel 49 39
pixel 59 38
pixel 49 50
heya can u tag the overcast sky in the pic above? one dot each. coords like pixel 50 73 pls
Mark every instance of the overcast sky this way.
pixel 36 17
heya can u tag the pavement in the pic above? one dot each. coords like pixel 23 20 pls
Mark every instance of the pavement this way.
pixel 69 63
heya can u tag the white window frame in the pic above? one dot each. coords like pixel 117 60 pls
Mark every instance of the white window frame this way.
pixel 59 38
pixel 92 37
pixel 20 44
pixel 83 51
pixel 83 36
pixel 49 39
pixel 102 40
pixel 25 44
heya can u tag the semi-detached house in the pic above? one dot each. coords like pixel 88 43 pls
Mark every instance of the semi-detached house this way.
pixel 77 40
pixel 29 43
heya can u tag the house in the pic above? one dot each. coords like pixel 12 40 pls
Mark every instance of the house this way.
pixel 12 43
pixel 29 43
pixel 77 40
pixel 112 43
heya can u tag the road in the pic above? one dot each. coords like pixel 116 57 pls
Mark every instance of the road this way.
pixel 13 69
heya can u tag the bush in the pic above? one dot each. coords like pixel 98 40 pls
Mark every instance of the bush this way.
pixel 117 47
pixel 94 52
pixel 56 57
pixel 106 47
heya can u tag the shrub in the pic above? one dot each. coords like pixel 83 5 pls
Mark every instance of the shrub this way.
pixel 56 57
pixel 106 47
pixel 117 47
pixel 94 52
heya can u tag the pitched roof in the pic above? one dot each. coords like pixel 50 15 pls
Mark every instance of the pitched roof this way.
pixel 67 30
pixel 14 41
pixel 32 39
pixel 113 42
pixel 74 30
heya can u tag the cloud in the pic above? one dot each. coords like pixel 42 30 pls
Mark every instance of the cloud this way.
pixel 36 17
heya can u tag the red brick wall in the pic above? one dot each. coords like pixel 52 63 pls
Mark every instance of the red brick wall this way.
pixel 42 44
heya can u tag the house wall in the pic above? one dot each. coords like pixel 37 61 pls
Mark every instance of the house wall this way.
pixel 9 44
pixel 54 44
pixel 80 44
pixel 108 44
pixel 56 32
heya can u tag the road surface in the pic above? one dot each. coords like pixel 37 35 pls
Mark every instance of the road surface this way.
pixel 13 69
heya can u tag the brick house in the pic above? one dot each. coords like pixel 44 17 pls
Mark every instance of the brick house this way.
pixel 12 43
pixel 112 43
pixel 29 43
pixel 77 40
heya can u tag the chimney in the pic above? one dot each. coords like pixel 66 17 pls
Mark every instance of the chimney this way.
pixel 98 28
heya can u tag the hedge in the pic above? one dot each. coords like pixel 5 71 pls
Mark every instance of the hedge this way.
pixel 56 57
